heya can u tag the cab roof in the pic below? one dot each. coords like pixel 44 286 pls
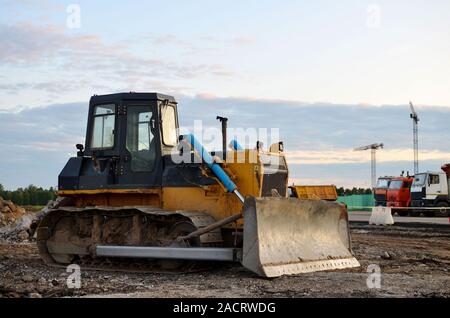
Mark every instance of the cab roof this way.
pixel 132 95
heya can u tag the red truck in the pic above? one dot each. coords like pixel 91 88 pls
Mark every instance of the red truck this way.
pixel 380 190
pixel 398 194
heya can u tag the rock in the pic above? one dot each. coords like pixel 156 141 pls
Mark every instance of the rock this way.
pixel 6 209
pixel 35 295
pixel 42 289
pixel 23 235
pixel 10 205
pixel 14 222
pixel 27 278
pixel 42 281
pixel 387 255
pixel 55 282
pixel 423 265
pixel 8 275
pixel 13 231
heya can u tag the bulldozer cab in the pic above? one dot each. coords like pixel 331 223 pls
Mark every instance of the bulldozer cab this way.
pixel 127 136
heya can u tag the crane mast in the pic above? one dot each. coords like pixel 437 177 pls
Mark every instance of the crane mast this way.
pixel 415 119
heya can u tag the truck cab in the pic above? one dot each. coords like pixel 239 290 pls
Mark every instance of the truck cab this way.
pixel 380 191
pixel 431 189
pixel 398 194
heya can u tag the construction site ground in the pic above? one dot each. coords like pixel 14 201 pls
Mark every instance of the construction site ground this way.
pixel 414 261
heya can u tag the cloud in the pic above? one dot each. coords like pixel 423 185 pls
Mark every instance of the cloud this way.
pixel 323 126
pixel 188 44
pixel 35 44
pixel 341 156
pixel 55 63
pixel 28 43
pixel 38 5
pixel 243 41
pixel 38 142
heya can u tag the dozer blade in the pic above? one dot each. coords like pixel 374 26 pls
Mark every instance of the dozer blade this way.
pixel 285 236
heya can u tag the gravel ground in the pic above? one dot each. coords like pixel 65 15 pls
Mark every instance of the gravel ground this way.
pixel 414 262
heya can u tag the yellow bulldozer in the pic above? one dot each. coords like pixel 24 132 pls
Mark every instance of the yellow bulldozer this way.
pixel 137 191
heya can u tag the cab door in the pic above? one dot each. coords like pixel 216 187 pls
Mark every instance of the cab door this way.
pixel 434 186
pixel 140 162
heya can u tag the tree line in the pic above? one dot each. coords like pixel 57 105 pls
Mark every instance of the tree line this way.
pixel 30 195
pixel 33 195
pixel 345 192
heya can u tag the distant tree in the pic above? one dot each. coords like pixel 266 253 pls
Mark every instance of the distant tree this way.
pixel 354 191
pixel 31 195
pixel 17 197
pixel 26 198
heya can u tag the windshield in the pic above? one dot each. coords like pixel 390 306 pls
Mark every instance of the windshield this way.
pixel 383 183
pixel 419 179
pixel 396 184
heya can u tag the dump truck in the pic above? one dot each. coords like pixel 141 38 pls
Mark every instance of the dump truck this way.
pixel 137 191
pixel 314 192
pixel 431 190
pixel 398 195
pixel 380 190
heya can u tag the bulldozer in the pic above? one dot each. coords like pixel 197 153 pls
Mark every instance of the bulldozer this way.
pixel 139 191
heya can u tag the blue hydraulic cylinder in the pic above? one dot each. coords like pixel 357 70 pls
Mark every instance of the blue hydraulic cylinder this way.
pixel 234 144
pixel 208 159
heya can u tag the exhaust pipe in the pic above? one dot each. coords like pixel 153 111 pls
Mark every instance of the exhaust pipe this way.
pixel 224 122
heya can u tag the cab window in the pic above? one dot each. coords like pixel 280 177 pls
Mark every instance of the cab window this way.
pixel 434 179
pixel 169 126
pixel 103 127
pixel 396 184
pixel 140 139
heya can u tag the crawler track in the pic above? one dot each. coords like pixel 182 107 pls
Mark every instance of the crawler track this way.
pixel 69 235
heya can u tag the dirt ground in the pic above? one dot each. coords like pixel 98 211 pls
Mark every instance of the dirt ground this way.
pixel 414 262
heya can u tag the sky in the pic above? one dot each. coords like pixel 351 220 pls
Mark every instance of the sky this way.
pixel 330 75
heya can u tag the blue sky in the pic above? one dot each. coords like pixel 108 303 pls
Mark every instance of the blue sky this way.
pixel 331 75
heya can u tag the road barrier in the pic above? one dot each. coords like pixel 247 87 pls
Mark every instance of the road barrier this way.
pixel 381 216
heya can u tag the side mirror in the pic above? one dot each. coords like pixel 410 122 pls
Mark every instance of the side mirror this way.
pixel 80 148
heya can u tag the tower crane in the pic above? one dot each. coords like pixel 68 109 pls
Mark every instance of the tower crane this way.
pixel 373 148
